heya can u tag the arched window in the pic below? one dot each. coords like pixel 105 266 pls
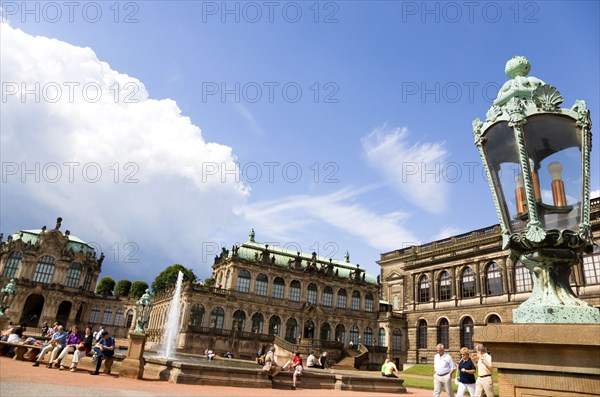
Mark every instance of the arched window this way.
pixel 466 332
pixel 340 333
pixel 197 315
pixel 493 279
pixel 396 340
pixel 422 334
pixel 445 289
pixel 278 288
pixel 311 293
pixel 342 298
pixel 129 318
pixel 107 316
pixel 494 319
pixel 369 302
pixel 355 300
pixel 522 278
pixel 354 333
pixel 257 323
pixel 87 280
pixel 12 265
pixel 443 333
pixel 424 288
pixel 381 337
pixel 274 325
pixel 239 320
pixel 262 283
pixel 327 296
pixel 73 275
pixel 217 318
pixel 44 270
pixel 467 283
pixel 291 330
pixel 591 266
pixel 243 281
pixel 118 318
pixel 368 339
pixel 325 331
pixel 295 288
pixel 94 315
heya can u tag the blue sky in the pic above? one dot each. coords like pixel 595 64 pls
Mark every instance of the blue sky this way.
pixel 327 126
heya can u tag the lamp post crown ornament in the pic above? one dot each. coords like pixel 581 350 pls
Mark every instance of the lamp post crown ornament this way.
pixel 536 156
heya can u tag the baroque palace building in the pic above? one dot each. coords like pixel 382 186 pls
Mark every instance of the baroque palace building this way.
pixel 300 302
pixel 446 288
pixel 55 277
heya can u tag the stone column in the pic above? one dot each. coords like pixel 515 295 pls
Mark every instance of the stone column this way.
pixel 133 365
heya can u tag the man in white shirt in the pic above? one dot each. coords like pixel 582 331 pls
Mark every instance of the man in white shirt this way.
pixel 484 381
pixel 443 367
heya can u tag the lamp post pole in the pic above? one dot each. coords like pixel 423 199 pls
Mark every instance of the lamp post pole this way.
pixel 133 365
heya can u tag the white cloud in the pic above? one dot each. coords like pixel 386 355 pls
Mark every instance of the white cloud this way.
pixel 414 169
pixel 447 231
pixel 171 205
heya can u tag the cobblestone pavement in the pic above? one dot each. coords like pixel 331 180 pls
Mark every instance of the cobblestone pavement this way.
pixel 20 379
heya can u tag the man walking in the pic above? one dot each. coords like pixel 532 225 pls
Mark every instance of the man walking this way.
pixel 443 367
pixel 484 382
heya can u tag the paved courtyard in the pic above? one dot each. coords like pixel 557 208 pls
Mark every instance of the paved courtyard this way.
pixel 19 378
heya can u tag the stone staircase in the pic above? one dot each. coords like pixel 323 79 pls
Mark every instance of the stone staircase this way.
pixel 347 362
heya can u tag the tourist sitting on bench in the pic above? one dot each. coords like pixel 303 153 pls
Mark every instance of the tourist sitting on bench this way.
pixel 312 361
pixel 15 336
pixel 73 340
pixel 56 343
pixel 105 348
pixel 84 346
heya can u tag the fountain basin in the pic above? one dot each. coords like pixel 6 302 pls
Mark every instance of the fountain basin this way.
pixel 217 373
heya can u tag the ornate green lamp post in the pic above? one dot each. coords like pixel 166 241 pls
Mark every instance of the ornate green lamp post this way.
pixel 133 365
pixel 537 159
pixel 142 308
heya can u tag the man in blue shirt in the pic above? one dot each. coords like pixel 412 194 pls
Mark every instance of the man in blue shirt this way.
pixel 105 348
pixel 56 343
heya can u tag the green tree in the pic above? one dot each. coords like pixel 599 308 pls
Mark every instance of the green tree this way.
pixel 209 282
pixel 105 286
pixel 122 288
pixel 137 289
pixel 168 277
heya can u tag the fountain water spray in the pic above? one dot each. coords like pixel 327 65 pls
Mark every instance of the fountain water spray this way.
pixel 172 325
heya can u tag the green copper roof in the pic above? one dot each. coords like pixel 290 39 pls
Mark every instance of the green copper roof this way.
pixel 75 243
pixel 253 251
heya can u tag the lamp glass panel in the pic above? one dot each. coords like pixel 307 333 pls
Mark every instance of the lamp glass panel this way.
pixel 554 148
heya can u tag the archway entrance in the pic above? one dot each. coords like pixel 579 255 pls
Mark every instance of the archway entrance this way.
pixel 32 310
pixel 309 329
pixel 63 312
pixel 79 314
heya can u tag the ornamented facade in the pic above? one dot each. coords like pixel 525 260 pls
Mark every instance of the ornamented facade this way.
pixel 446 288
pixel 55 277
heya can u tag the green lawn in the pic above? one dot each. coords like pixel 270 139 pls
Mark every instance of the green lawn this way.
pixel 427 370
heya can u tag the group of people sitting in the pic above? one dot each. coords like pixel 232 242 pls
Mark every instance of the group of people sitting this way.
pixel 271 367
pixel 61 343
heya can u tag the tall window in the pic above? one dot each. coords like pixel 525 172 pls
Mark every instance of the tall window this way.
pixel 94 315
pixel 354 333
pixel 107 316
pixel 424 288
pixel 422 334
pixel 443 333
pixel 445 288
pixel 239 320
pixel 311 293
pixel 467 283
pixel 227 277
pixel 257 323
pixel 87 280
pixel 396 339
pixel 591 266
pixel 369 302
pixel 381 337
pixel 325 331
pixel 129 318
pixel 275 326
pixel 44 270
pixel 340 333
pixel 243 281
pixel 278 288
pixel 262 283
pixel 217 317
pixel 291 330
pixel 355 300
pixel 73 275
pixel 118 318
pixel 295 291
pixel 197 315
pixel 522 278
pixel 466 333
pixel 327 296
pixel 12 265
pixel 493 279
pixel 368 340
pixel 341 300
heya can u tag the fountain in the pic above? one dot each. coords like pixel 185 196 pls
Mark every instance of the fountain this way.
pixel 172 325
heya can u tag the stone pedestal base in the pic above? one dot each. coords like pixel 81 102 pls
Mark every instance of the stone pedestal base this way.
pixel 3 322
pixel 133 365
pixel 552 314
pixel 548 360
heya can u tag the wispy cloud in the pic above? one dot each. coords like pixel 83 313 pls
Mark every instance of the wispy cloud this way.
pixel 250 119
pixel 446 231
pixel 413 168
